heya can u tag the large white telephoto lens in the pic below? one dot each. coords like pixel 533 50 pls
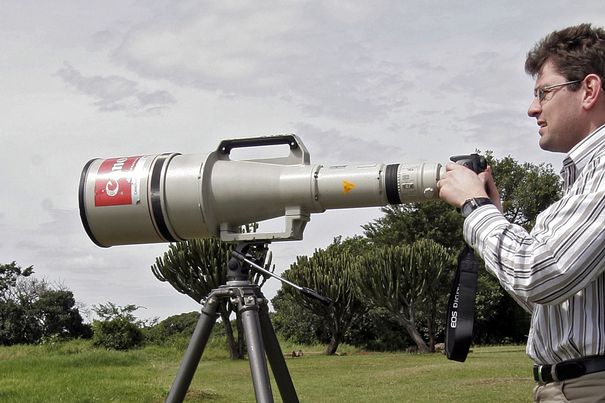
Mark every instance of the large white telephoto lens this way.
pixel 173 197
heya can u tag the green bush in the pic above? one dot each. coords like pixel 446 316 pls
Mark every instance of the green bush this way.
pixel 177 326
pixel 118 334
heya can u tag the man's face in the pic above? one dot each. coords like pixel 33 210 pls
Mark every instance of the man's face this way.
pixel 559 114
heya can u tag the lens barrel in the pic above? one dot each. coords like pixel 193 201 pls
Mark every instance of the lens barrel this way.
pixel 173 197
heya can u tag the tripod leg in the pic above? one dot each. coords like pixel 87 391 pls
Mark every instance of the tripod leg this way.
pixel 194 352
pixel 276 358
pixel 256 351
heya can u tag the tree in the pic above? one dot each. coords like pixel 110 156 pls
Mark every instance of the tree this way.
pixel 9 275
pixel 32 311
pixel 407 223
pixel 371 329
pixel 374 329
pixel 195 268
pixel 58 316
pixel 525 189
pixel 296 323
pixel 498 319
pixel 400 279
pixel 330 272
pixel 13 326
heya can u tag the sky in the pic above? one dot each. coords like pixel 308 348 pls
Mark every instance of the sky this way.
pixel 386 81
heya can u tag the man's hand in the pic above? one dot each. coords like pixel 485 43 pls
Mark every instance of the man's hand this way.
pixel 460 184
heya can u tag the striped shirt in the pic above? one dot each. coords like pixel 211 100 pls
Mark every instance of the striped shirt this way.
pixel 556 271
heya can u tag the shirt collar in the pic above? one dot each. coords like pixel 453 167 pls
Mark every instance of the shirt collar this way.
pixel 584 151
pixel 580 155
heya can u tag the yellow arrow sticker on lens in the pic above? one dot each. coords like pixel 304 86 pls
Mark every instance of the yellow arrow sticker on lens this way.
pixel 347 186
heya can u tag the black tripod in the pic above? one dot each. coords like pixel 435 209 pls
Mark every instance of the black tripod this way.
pixel 258 331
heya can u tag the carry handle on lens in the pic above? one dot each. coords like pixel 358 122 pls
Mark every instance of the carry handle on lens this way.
pixel 298 152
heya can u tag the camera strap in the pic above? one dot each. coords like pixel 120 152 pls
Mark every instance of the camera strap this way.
pixel 461 307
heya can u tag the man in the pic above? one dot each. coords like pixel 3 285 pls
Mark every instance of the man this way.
pixel 556 271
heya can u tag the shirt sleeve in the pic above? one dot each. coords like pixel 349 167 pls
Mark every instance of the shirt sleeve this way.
pixel 562 254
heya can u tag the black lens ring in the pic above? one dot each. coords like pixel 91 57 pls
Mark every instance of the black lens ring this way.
pixel 391 184
pixel 82 204
pixel 155 198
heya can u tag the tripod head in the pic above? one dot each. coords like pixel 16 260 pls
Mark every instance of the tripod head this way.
pixel 255 252
pixel 247 255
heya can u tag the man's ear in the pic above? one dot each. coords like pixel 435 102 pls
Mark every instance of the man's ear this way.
pixel 593 90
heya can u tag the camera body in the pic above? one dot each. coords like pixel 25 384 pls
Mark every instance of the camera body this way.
pixel 474 162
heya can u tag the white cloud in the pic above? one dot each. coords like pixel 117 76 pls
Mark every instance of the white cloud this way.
pixel 333 147
pixel 115 93
pixel 313 58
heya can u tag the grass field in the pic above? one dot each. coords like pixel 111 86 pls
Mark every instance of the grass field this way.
pixel 77 372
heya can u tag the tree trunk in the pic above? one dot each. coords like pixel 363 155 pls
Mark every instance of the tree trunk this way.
pixel 331 348
pixel 415 335
pixel 430 326
pixel 410 327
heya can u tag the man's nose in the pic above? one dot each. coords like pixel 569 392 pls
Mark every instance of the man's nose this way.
pixel 534 108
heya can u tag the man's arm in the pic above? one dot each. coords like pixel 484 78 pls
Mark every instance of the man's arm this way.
pixel 459 185
pixel 564 252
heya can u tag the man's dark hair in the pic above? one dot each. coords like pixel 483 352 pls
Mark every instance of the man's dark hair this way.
pixel 575 51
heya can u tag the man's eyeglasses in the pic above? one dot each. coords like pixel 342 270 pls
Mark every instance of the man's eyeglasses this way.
pixel 541 92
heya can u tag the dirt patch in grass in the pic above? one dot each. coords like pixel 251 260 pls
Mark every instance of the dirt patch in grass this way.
pixel 197 394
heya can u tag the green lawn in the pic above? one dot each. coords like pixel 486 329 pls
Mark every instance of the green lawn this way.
pixel 76 372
